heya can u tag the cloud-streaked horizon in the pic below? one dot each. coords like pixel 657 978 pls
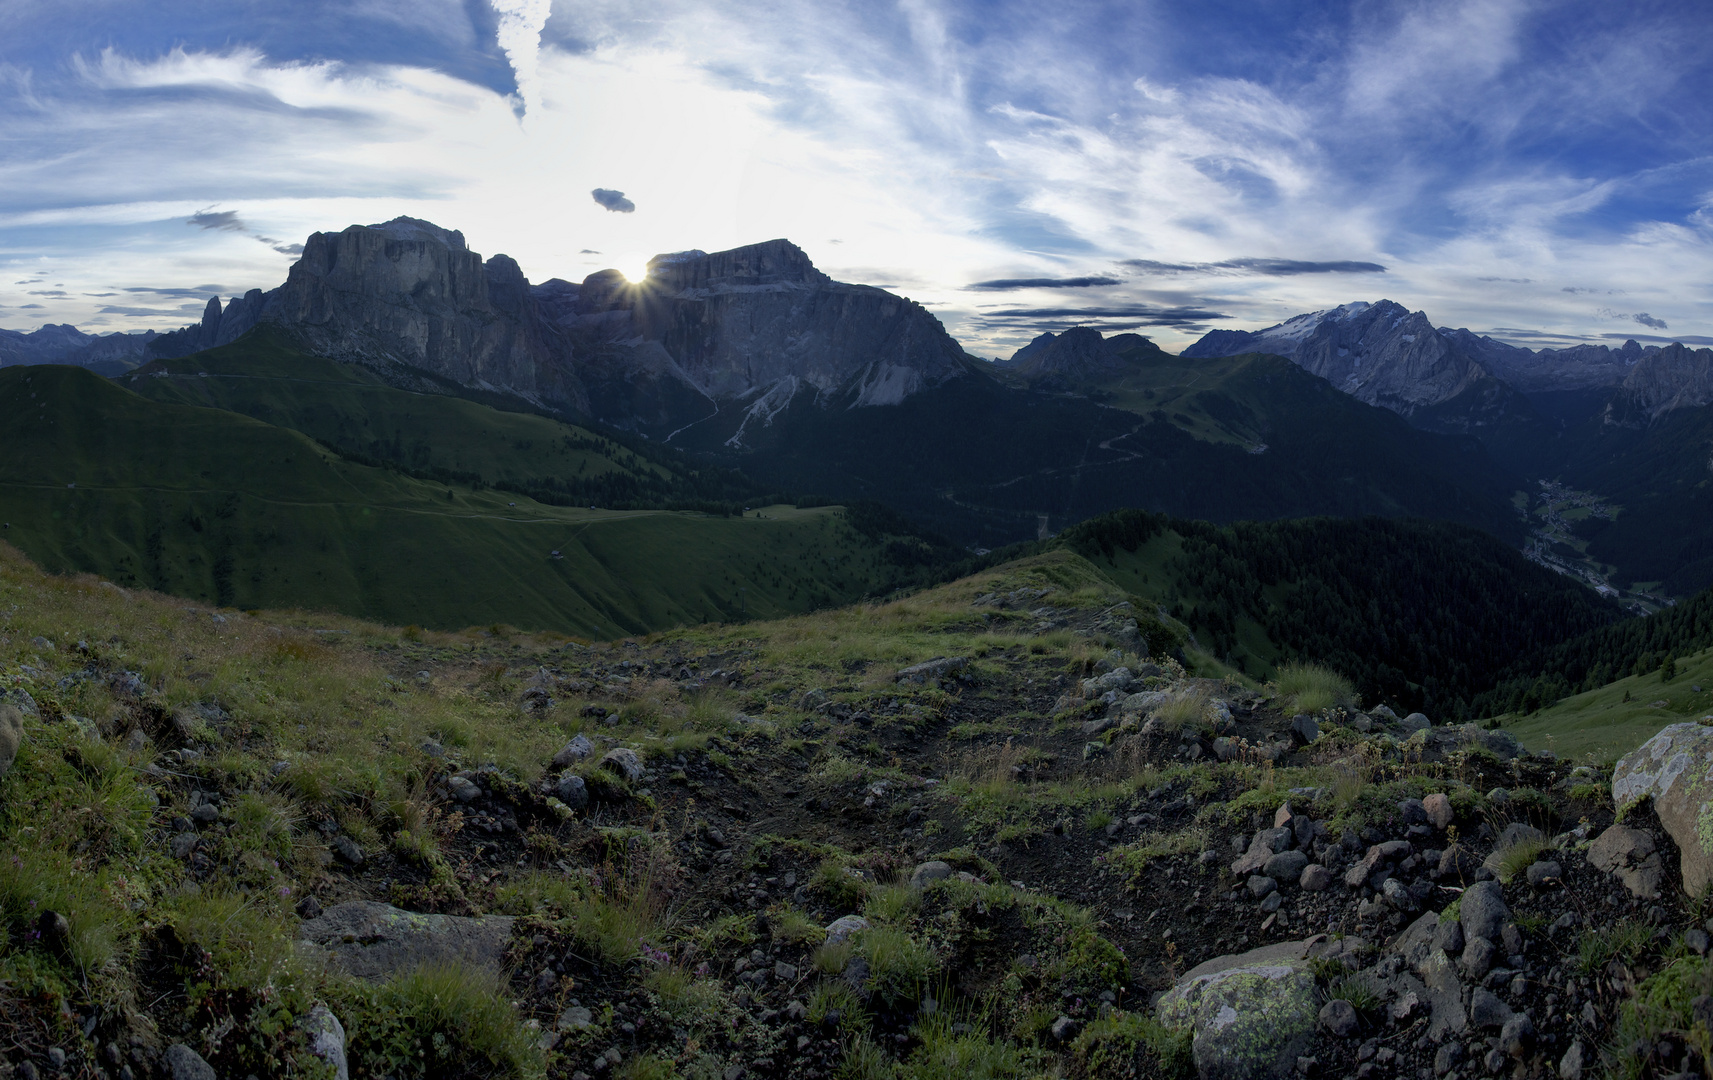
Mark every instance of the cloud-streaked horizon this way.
pixel 1498 163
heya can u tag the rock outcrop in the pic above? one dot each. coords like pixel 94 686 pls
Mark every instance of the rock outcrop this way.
pixel 1674 769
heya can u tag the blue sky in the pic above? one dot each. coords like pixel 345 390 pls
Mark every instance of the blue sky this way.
pixel 1543 171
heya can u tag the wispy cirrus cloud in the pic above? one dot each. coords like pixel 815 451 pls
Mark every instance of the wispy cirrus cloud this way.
pixel 1009 284
pixel 1481 155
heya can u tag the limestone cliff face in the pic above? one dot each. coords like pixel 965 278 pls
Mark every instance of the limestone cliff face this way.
pixel 701 329
pixel 411 292
pixel 736 323
pixel 1675 377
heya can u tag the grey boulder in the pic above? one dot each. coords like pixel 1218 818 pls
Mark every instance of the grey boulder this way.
pixel 623 761
pixel 1672 769
pixel 1628 854
pixel 574 751
pixel 928 873
pixel 572 790
pixel 183 1063
pixel 369 940
pixel 327 1040
pixel 1483 910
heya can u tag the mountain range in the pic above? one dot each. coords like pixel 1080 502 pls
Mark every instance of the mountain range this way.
pixel 753 360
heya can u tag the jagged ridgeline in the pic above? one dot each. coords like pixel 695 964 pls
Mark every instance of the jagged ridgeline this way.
pixel 219 507
pixel 1423 614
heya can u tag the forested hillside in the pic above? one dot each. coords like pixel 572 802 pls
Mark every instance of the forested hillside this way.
pixel 1417 614
pixel 1590 660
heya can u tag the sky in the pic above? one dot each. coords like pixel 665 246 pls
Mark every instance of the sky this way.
pixel 1538 171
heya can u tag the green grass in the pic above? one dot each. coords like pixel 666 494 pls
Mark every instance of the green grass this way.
pixel 1601 725
pixel 228 510
pixel 1311 688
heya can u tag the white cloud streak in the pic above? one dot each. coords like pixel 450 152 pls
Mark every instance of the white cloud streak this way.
pixel 895 146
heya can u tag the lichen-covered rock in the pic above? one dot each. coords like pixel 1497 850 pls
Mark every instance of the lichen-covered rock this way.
pixel 1250 1020
pixel 11 736
pixel 1675 770
pixel 368 940
pixel 327 1040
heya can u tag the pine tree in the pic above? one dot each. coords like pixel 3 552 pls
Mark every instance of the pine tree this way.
pixel 1668 669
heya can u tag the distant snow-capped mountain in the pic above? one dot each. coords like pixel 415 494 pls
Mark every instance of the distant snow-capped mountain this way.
pixel 1386 355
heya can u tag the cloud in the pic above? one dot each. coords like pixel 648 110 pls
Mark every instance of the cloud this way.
pixel 224 220
pixel 229 221
pixel 196 292
pixel 613 200
pixel 1129 316
pixel 1256 267
pixel 1687 339
pixel 1001 284
pixel 519 36
pixel 1649 321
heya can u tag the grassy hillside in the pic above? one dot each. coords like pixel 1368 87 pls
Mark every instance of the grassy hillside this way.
pixel 434 435
pixel 1616 718
pixel 1226 440
pixel 193 798
pixel 1421 615
pixel 213 506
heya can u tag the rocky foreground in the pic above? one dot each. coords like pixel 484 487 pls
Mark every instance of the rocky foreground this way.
pixel 992 830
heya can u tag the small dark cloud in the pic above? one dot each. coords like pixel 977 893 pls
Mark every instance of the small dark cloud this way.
pixel 1257 267
pixel 1573 289
pixel 222 220
pixel 1000 284
pixel 27 307
pixel 613 200
pixel 229 221
pixel 49 292
pixel 1649 321
pixel 588 251
pixel 1509 280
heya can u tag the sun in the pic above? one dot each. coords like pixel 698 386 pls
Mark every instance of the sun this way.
pixel 635 270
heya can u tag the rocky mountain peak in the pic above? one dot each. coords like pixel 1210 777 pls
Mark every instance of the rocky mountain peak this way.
pixel 771 263
pixel 416 230
pixel 1078 355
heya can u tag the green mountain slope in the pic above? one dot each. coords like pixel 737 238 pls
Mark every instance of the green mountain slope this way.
pixel 436 435
pixel 1589 661
pixel 210 505
pixel 1226 440
pixel 1611 720
pixel 1417 614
